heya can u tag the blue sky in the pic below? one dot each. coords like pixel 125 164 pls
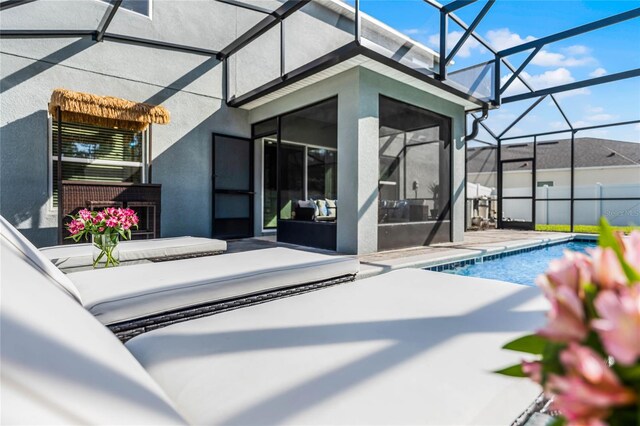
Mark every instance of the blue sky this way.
pixel 511 22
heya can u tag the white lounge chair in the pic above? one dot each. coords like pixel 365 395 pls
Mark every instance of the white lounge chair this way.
pixel 73 256
pixel 142 297
pixel 59 364
pixel 138 298
pixel 408 347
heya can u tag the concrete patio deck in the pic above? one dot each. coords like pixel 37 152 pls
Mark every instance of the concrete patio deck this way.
pixel 475 244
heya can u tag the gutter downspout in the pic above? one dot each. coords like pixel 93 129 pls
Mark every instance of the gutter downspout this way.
pixel 475 125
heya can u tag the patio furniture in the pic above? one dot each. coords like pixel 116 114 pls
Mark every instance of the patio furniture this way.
pixel 325 210
pixel 138 298
pixel 74 256
pixel 142 297
pixel 406 347
pixel 59 364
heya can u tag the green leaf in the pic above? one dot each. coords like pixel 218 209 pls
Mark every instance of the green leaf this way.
pixel 531 344
pixel 513 371
pixel 607 239
pixel 557 421
pixel 631 374
pixel 623 416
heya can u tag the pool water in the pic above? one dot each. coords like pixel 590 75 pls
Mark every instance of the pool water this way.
pixel 522 268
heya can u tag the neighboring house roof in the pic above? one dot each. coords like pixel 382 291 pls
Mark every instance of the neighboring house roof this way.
pixel 589 152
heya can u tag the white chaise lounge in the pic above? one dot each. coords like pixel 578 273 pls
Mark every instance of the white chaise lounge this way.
pixel 138 298
pixel 142 297
pixel 408 347
pixel 74 256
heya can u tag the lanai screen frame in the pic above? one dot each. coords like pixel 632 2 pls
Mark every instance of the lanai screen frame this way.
pixel 276 17
pixel 500 57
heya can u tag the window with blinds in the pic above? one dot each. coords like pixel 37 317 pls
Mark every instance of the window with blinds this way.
pixel 98 154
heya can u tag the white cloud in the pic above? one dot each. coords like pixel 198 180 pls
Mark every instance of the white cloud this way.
pixel 637 127
pixel 573 56
pixel 594 115
pixel 576 50
pixel 551 78
pixel 452 39
pixel 571 93
pixel 545 58
pixel 600 117
pixel 557 125
pixel 598 72
pixel 503 38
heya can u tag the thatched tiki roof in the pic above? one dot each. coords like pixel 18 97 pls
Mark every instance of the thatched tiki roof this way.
pixel 106 111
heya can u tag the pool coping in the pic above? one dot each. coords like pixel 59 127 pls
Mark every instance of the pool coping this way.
pixel 471 254
pixel 508 252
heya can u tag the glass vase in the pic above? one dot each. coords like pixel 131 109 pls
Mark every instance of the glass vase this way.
pixel 105 250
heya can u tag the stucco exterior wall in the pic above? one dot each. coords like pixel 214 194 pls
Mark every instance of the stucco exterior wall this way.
pixel 189 85
pixel 358 92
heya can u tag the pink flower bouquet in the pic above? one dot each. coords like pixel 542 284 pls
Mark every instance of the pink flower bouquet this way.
pixel 105 228
pixel 587 357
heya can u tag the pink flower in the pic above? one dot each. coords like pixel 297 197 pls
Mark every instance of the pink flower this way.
pixel 75 226
pixel 631 246
pixel 589 390
pixel 112 222
pixel 572 271
pixel 533 370
pixel 100 216
pixel 73 229
pixel 566 318
pixel 605 268
pixel 619 323
pixel 85 214
pixel 101 229
pixel 111 211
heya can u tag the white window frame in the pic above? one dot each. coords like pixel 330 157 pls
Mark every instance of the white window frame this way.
pixel 144 165
pixel 263 141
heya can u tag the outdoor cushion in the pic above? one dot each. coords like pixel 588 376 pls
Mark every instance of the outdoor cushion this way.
pixel 331 208
pixel 28 250
pixel 126 293
pixel 407 347
pixel 59 364
pixel 305 210
pixel 322 207
pixel 81 255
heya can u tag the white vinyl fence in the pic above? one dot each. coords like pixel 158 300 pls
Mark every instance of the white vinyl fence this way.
pixel 617 212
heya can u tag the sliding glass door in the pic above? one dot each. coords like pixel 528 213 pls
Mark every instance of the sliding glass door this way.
pixel 307 173
pixel 300 174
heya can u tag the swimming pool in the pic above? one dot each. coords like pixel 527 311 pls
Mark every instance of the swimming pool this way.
pixel 521 268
